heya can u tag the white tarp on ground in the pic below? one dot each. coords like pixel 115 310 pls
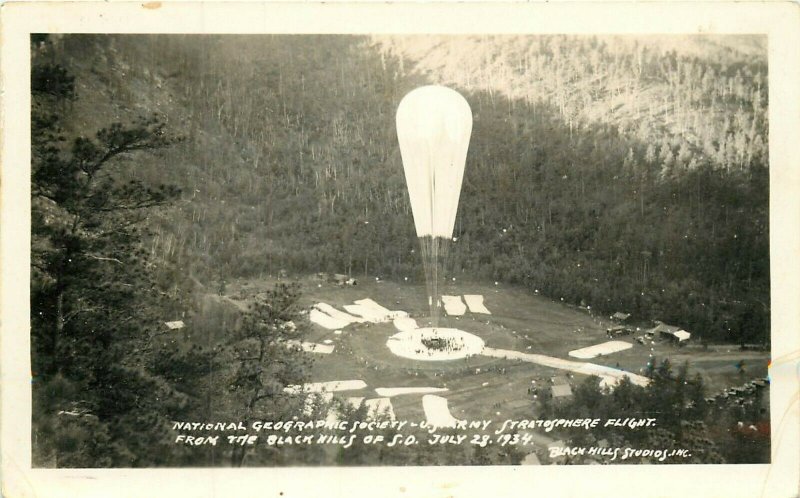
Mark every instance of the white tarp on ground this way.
pixel 372 311
pixel 436 411
pixel 380 408
pixel 312 347
pixel 368 313
pixel 388 392
pixel 387 313
pixel 458 344
pixel 453 305
pixel 176 325
pixel 600 349
pixel 325 320
pixel 334 385
pixel 372 304
pixel 394 315
pixel 337 314
pixel 405 323
pixel 475 303
pixel 603 372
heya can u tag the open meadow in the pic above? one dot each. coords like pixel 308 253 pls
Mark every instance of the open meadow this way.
pixel 482 387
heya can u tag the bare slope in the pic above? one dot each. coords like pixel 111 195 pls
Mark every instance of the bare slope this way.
pixel 682 90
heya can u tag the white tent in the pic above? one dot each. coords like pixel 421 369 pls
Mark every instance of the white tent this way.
pixel 682 335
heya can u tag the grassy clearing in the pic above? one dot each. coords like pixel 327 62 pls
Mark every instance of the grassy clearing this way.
pixel 481 387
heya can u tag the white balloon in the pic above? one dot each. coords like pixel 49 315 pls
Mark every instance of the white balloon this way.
pixel 434 125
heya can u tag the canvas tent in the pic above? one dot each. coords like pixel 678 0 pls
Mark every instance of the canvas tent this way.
pixel 682 335
pixel 670 332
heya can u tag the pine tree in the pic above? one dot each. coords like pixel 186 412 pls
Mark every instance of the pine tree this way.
pixel 266 359
pixel 94 302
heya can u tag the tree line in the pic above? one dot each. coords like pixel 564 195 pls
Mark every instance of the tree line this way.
pixel 717 432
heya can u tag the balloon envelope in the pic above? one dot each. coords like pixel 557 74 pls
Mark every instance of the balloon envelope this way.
pixel 434 124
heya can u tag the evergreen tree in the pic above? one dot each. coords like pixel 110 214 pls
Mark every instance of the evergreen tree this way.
pixel 95 307
pixel 265 359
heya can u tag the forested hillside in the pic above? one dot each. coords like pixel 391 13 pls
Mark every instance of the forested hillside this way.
pixel 626 175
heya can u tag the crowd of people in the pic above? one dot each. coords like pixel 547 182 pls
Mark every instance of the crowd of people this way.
pixel 446 344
